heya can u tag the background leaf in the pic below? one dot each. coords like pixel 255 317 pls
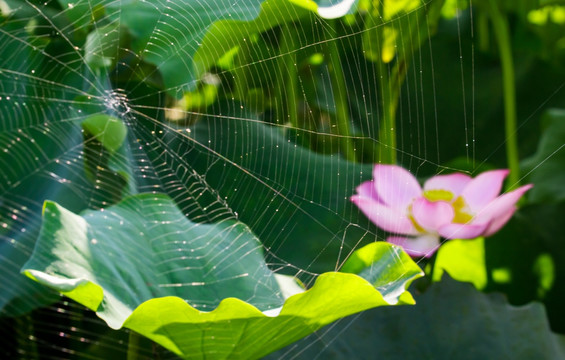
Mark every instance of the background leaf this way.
pixel 181 45
pixel 450 321
pixel 284 190
pixel 515 255
pixel 546 167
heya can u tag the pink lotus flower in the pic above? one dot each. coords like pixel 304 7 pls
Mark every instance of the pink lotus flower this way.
pixel 453 206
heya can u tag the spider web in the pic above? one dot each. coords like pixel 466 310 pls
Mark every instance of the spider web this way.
pixel 219 142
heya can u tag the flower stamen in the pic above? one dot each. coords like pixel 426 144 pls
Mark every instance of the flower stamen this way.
pixel 438 195
pixel 462 213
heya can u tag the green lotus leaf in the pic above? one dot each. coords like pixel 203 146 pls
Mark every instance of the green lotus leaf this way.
pixel 199 290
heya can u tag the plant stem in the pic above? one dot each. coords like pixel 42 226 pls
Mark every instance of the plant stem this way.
pixel 390 84
pixel 241 72
pixel 502 33
pixel 387 128
pixel 287 65
pixel 390 81
pixel 483 32
pixel 340 98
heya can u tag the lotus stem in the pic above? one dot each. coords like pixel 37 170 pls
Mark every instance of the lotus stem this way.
pixel 287 65
pixel 339 89
pixel 502 32
pixel 390 81
pixel 390 93
pixel 483 32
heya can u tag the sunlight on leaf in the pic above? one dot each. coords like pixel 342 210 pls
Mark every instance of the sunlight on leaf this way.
pixel 501 275
pixel 463 260
pixel 4 8
pixel 198 288
pixel 382 274
pixel 545 269
pixel 554 14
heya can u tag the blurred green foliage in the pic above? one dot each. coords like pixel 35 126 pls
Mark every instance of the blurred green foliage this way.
pixel 238 108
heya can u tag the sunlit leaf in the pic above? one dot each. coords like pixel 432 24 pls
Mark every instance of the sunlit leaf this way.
pixel 464 260
pixel 143 265
pixel 369 263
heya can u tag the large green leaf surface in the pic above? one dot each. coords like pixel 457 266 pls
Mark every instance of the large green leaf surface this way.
pixel 200 290
pixel 451 320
